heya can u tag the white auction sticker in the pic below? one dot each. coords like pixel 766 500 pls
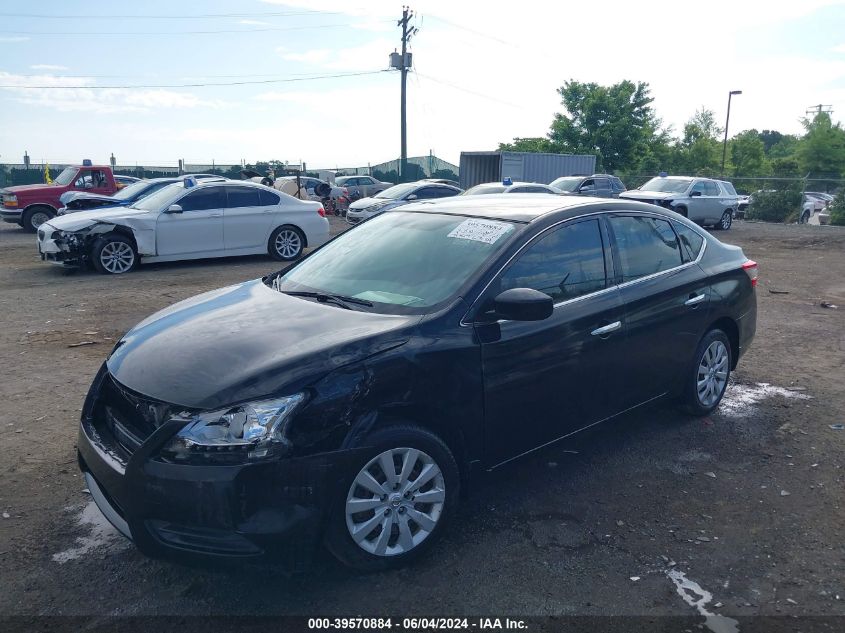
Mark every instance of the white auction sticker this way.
pixel 487 231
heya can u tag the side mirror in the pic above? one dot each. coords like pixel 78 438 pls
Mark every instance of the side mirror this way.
pixel 174 208
pixel 411 196
pixel 523 304
pixel 694 194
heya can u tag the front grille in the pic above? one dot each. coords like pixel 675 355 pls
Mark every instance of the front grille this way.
pixel 125 417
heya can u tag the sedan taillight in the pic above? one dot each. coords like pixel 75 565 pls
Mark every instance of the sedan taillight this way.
pixel 321 211
pixel 750 268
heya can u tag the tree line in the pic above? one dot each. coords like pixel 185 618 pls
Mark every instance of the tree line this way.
pixel 618 124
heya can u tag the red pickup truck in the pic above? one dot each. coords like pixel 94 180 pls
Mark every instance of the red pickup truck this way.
pixel 31 205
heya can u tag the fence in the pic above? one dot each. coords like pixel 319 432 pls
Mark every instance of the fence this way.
pixel 418 167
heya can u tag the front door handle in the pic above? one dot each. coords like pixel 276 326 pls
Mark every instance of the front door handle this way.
pixel 695 300
pixel 607 329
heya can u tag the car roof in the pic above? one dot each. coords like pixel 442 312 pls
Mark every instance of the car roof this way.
pixel 522 208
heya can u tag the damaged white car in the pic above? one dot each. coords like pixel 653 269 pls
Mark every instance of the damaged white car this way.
pixel 190 220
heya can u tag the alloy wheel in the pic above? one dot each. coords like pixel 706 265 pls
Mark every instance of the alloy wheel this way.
pixel 117 257
pixel 288 244
pixel 726 221
pixel 712 373
pixel 395 502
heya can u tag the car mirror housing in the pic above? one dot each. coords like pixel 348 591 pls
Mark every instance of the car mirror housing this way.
pixel 174 208
pixel 523 304
pixel 411 196
pixel 694 194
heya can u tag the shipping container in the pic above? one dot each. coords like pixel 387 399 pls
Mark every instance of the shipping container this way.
pixel 478 167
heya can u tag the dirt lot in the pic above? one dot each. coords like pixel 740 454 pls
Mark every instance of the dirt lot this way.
pixel 747 504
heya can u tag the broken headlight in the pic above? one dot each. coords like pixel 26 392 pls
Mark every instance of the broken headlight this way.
pixel 247 432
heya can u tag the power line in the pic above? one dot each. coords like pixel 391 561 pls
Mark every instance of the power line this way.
pixel 462 89
pixel 113 16
pixel 208 32
pixel 474 31
pixel 200 85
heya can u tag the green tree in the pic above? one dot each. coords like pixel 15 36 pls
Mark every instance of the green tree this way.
pixel 784 148
pixel 748 154
pixel 536 144
pixel 822 150
pixel 699 152
pixel 616 123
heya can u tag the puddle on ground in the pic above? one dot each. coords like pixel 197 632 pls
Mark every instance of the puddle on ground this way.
pixel 101 534
pixel 742 400
pixel 699 598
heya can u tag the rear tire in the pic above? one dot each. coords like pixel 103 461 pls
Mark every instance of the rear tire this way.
pixel 725 222
pixel 393 528
pixel 805 217
pixel 114 254
pixel 707 377
pixel 34 217
pixel 682 211
pixel 286 243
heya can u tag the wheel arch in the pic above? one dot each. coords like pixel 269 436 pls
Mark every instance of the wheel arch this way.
pixel 39 204
pixel 292 226
pixel 729 327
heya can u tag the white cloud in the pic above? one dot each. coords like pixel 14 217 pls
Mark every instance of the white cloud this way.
pixel 315 56
pixel 53 67
pixel 370 56
pixel 838 49
pixel 78 94
pixel 12 38
pixel 254 23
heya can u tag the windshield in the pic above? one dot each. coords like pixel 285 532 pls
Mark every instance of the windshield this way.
pixel 130 191
pixel 569 183
pixel 481 189
pixel 162 198
pixel 667 185
pixel 398 191
pixel 66 177
pixel 401 262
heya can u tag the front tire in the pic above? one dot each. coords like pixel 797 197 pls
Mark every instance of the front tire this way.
pixel 805 218
pixel 34 217
pixel 114 255
pixel 708 376
pixel 286 243
pixel 395 501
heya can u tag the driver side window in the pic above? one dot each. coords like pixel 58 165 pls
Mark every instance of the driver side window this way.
pixel 566 263
pixel 697 187
pixel 204 199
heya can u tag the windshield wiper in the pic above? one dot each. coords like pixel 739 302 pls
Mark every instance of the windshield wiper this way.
pixel 324 297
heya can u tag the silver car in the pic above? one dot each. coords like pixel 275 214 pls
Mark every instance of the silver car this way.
pixel 397 196
pixel 705 201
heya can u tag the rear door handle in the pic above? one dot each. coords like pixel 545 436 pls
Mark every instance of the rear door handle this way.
pixel 695 300
pixel 607 329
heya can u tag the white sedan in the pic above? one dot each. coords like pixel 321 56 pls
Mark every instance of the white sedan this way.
pixel 190 220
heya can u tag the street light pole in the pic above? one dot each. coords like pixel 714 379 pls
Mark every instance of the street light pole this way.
pixel 727 122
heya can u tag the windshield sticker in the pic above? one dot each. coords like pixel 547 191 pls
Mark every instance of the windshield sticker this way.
pixel 487 231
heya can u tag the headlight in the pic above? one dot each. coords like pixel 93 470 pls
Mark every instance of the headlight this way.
pixel 248 432
pixel 10 200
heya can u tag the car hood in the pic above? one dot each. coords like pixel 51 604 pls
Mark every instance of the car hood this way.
pixel 69 196
pixel 636 194
pixel 24 188
pixel 364 203
pixel 244 342
pixel 83 219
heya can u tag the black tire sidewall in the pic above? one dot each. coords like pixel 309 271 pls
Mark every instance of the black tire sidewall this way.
pixel 721 225
pixel 337 537
pixel 26 218
pixel 271 243
pixel 691 402
pixel 98 246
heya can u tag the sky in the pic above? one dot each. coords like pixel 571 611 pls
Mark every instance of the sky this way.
pixel 313 85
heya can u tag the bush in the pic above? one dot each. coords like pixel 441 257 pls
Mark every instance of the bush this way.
pixel 774 206
pixel 837 209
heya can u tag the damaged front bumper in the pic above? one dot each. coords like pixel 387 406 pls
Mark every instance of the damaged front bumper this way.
pixel 273 509
pixel 59 248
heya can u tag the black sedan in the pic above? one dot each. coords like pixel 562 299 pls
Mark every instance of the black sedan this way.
pixel 347 399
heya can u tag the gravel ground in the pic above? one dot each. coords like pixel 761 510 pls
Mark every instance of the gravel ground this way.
pixel 744 507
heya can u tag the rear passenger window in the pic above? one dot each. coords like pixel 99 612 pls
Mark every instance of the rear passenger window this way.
pixel 268 198
pixel 646 246
pixel 711 189
pixel 567 263
pixel 692 240
pixel 243 197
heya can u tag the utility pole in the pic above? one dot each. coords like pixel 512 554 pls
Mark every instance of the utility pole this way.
pixel 818 109
pixel 404 63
